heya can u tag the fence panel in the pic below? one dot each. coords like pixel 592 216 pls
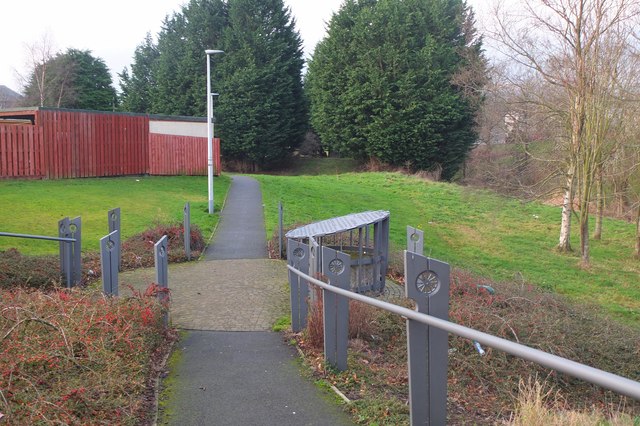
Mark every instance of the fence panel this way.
pixel 20 147
pixel 92 144
pixel 180 155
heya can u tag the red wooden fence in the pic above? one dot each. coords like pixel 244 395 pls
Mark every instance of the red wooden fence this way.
pixel 89 144
pixel 21 151
pixel 180 155
pixel 68 144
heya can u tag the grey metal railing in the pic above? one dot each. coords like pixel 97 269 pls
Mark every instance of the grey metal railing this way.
pixel 619 384
pixel 70 239
pixel 37 237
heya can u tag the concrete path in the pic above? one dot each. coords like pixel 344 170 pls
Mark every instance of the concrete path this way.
pixel 241 233
pixel 231 371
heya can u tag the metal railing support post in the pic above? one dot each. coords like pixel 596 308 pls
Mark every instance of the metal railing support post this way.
pixel 280 230
pixel 427 283
pixel 113 216
pixel 65 251
pixel 75 231
pixel 109 263
pixel 336 266
pixel 161 255
pixel 298 257
pixel 187 230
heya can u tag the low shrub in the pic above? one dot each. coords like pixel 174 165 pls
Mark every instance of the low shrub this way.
pixel 77 357
pixel 137 251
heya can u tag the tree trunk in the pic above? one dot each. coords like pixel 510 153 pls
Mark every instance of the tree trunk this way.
pixel 638 233
pixel 584 234
pixel 564 243
pixel 597 235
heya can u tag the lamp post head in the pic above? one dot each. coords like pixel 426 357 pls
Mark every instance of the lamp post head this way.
pixel 213 51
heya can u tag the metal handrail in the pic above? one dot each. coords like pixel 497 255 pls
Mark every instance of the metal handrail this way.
pixel 37 237
pixel 619 384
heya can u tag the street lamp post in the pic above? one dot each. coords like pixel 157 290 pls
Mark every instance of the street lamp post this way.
pixel 210 52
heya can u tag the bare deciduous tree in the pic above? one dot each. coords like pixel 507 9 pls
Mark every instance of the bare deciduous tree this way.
pixel 579 48
pixel 39 55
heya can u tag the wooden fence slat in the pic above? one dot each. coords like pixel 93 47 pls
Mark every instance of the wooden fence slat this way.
pixel 3 152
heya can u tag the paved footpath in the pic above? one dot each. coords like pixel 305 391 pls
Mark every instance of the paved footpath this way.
pixel 232 370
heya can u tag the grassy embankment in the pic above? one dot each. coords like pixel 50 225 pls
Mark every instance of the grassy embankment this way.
pixel 491 236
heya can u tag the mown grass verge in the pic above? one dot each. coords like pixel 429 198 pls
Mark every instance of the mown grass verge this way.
pixel 34 207
pixel 495 237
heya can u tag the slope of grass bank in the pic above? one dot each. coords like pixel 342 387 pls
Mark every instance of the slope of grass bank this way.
pixel 34 207
pixel 496 237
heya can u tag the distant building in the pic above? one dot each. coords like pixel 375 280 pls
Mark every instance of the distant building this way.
pixel 8 98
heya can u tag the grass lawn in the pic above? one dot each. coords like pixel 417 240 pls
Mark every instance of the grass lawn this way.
pixel 34 207
pixel 320 166
pixel 492 236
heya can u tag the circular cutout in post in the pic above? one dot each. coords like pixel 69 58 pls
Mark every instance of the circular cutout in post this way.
pixel 161 251
pixel 114 216
pixel 415 237
pixel 298 252
pixel 336 266
pixel 427 282
pixel 110 244
pixel 73 228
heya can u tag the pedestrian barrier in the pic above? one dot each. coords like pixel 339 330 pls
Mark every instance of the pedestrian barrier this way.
pixel 70 239
pixel 427 283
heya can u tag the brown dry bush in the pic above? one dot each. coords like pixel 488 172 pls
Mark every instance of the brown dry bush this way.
pixel 43 272
pixel 484 389
pixel 78 357
pixel 17 269
pixel 137 251
pixel 363 321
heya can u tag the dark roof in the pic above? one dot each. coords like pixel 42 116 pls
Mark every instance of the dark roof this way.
pixel 156 117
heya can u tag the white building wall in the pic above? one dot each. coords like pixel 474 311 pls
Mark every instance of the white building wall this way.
pixel 178 128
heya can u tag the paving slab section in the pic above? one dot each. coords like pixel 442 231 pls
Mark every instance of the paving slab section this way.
pixel 223 295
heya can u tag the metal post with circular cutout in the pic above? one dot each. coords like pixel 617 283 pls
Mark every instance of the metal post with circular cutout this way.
pixel 186 218
pixel 298 257
pixel 161 256
pixel 109 263
pixel 415 240
pixel 114 225
pixel 336 266
pixel 427 283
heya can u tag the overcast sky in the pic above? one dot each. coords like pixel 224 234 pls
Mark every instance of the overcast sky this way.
pixel 112 30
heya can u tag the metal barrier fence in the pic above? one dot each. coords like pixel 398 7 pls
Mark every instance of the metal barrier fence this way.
pixel 70 239
pixel 427 330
